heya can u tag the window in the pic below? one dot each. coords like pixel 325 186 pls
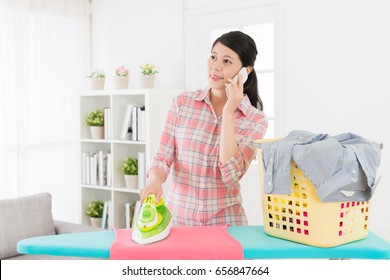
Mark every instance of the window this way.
pixel 40 78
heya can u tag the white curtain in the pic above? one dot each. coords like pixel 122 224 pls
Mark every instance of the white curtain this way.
pixel 44 55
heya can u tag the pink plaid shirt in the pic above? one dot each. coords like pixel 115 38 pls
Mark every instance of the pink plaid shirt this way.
pixel 202 190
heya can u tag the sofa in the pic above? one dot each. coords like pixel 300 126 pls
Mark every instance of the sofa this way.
pixel 31 216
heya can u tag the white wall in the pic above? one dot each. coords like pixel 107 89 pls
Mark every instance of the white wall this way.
pixel 336 59
pixel 335 67
pixel 137 32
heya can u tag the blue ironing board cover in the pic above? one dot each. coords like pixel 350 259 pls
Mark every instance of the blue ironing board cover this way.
pixel 93 244
pixel 256 245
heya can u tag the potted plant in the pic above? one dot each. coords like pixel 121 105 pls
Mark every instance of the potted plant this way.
pixel 95 120
pixel 147 75
pixel 96 79
pixel 95 212
pixel 130 170
pixel 121 78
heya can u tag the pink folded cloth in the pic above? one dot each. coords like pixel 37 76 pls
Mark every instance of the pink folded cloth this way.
pixel 183 243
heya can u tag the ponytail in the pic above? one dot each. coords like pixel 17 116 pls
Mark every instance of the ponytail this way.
pixel 251 90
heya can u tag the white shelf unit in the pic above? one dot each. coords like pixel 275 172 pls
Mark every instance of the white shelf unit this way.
pixel 156 102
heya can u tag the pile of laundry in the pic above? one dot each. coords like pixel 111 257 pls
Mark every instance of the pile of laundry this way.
pixel 341 167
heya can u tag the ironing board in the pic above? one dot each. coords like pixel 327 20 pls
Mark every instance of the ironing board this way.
pixel 256 245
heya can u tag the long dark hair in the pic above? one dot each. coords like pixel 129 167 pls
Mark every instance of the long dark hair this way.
pixel 245 47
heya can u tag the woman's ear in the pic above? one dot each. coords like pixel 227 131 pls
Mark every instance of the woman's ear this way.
pixel 249 69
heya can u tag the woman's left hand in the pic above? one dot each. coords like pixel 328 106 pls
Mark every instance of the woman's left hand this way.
pixel 235 92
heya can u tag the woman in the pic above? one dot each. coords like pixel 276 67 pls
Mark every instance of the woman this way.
pixel 207 139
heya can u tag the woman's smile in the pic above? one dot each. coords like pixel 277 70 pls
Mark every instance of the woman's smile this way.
pixel 215 78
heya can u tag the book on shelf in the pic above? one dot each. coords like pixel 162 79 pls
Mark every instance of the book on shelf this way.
pixel 127 122
pixel 93 166
pixel 141 123
pixel 109 170
pixel 108 215
pixel 134 121
pixel 96 168
pixel 102 168
pixel 104 216
pixel 129 213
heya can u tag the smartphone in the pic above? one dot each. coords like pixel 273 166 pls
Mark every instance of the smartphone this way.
pixel 244 75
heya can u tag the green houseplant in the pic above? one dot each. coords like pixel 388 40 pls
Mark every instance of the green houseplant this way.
pixel 97 74
pixel 96 79
pixel 95 212
pixel 148 69
pixel 95 120
pixel 95 209
pixel 148 74
pixel 130 171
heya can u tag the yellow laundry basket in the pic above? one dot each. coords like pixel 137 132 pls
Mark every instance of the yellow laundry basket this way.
pixel 303 218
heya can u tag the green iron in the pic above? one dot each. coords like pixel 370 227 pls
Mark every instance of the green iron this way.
pixel 153 223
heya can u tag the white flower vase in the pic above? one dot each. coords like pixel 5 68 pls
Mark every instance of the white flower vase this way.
pixel 121 82
pixel 147 81
pixel 96 222
pixel 96 83
pixel 97 132
pixel 131 181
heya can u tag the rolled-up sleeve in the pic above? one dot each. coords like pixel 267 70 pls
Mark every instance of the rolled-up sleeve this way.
pixel 165 150
pixel 233 170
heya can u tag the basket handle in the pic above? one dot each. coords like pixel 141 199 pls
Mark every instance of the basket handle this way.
pixel 257 143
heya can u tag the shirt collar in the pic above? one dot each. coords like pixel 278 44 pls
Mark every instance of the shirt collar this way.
pixel 204 95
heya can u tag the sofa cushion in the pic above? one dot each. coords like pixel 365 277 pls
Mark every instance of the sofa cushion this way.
pixel 22 218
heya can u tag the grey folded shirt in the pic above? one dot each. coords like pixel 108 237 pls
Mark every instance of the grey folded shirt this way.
pixel 342 167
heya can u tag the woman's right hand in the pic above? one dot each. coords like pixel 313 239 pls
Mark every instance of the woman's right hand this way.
pixel 154 185
pixel 151 187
